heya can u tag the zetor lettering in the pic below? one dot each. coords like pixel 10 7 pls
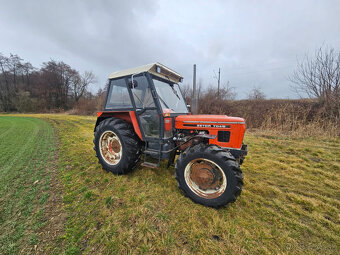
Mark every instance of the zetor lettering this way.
pixel 146 114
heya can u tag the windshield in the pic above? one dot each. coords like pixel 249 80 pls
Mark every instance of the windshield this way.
pixel 170 96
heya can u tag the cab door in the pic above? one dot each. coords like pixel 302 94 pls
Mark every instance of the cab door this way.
pixel 146 110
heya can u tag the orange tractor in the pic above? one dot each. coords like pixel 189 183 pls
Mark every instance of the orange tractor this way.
pixel 145 113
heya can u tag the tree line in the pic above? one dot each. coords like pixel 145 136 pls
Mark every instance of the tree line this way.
pixel 56 85
pixel 318 76
pixel 25 88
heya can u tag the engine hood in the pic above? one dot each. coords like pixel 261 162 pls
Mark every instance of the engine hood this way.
pixel 209 119
pixel 228 131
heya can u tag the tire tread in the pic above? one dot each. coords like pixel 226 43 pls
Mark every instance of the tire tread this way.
pixel 220 153
pixel 130 140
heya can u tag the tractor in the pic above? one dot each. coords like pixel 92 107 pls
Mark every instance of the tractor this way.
pixel 145 114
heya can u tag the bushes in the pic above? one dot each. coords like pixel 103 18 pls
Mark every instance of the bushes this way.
pixel 89 104
pixel 85 107
pixel 298 117
pixel 303 116
pixel 25 103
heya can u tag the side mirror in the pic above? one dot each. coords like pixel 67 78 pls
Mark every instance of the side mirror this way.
pixel 133 84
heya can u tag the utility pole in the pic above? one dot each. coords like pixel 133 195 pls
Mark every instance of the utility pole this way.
pixel 218 81
pixel 194 92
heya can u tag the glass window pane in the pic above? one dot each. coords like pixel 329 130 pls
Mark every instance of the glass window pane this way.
pixel 170 96
pixel 142 93
pixel 118 95
pixel 150 123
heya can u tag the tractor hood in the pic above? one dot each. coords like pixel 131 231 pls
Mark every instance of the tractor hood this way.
pixel 228 131
pixel 206 121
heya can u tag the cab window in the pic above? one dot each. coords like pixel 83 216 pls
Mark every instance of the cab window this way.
pixel 118 96
pixel 142 93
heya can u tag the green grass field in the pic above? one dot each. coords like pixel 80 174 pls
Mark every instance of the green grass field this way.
pixel 50 181
pixel 27 147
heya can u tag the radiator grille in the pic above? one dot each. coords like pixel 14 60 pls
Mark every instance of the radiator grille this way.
pixel 223 136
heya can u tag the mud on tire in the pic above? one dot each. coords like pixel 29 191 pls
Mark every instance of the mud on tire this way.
pixel 209 175
pixel 117 146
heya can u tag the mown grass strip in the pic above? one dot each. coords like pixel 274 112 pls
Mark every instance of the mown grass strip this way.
pixel 26 146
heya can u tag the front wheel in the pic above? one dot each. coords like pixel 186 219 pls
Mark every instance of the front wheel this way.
pixel 117 146
pixel 209 175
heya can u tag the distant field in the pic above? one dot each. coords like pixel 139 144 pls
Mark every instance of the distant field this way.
pixel 290 201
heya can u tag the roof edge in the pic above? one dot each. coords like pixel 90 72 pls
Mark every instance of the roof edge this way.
pixel 165 72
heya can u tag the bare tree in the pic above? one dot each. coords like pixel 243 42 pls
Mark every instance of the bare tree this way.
pixel 319 77
pixel 81 83
pixel 9 69
pixel 213 101
pixel 54 86
pixel 186 90
pixel 26 74
pixel 15 67
pixel 57 80
pixel 256 94
pixel 4 84
pixel 226 92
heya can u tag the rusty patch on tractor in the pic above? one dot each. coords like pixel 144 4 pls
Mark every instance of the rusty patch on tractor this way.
pixel 204 176
pixel 115 146
pixel 184 145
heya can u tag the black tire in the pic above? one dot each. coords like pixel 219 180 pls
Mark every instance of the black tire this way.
pixel 219 159
pixel 130 145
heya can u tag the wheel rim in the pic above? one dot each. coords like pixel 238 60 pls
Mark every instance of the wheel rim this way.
pixel 205 178
pixel 110 148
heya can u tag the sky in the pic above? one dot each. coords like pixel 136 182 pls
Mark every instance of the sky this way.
pixel 254 43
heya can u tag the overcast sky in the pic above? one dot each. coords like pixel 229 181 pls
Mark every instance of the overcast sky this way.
pixel 255 43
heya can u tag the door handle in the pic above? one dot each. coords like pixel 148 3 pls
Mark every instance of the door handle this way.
pixel 140 110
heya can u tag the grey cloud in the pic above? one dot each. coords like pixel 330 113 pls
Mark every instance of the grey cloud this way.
pixel 254 42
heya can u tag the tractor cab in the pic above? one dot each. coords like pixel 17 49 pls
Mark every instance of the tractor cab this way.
pixel 145 114
pixel 149 97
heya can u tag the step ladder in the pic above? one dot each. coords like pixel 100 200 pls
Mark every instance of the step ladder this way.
pixel 150 152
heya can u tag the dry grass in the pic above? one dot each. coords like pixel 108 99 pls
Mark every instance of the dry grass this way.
pixel 297 121
pixel 290 202
pixel 298 118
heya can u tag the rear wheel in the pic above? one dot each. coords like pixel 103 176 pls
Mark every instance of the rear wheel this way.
pixel 209 175
pixel 117 147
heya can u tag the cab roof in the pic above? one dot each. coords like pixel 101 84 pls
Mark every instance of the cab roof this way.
pixel 156 69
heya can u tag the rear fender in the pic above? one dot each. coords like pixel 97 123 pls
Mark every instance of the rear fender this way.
pixel 128 116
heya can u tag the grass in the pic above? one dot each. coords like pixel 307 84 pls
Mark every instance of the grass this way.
pixel 26 146
pixel 290 202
